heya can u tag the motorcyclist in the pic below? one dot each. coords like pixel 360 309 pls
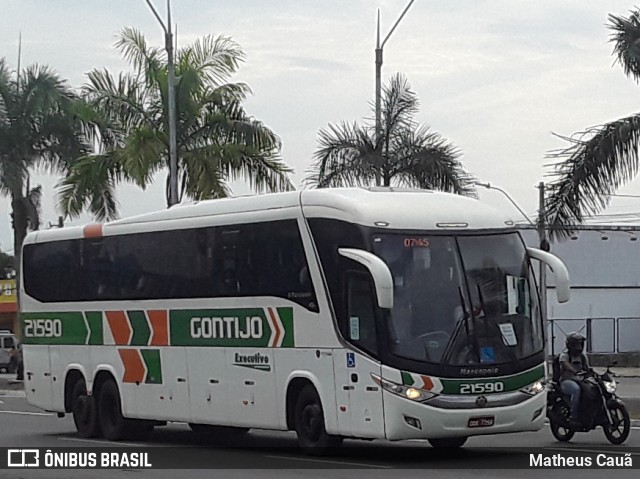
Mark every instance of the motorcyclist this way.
pixel 573 365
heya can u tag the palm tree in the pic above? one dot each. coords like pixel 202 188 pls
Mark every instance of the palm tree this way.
pixel 602 158
pixel 403 154
pixel 39 128
pixel 217 140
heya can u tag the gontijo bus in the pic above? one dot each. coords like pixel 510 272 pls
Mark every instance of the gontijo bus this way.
pixel 365 313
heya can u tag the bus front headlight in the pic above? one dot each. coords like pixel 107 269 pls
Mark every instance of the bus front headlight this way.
pixel 418 395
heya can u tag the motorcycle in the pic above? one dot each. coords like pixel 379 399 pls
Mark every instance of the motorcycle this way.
pixel 599 406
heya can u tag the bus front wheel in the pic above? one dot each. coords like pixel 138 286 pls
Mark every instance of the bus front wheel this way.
pixel 309 423
pixel 84 410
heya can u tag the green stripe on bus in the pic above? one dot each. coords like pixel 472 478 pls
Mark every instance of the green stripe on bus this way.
pixel 286 316
pixel 94 319
pixel 53 328
pixel 407 379
pixel 228 327
pixel 141 330
pixel 510 383
pixel 151 359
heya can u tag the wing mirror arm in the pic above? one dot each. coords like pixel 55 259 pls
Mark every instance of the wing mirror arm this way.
pixel 382 279
pixel 560 272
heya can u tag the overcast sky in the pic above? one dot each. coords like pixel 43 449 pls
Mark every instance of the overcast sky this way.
pixel 495 77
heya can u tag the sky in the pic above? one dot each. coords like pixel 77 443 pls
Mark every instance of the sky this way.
pixel 495 77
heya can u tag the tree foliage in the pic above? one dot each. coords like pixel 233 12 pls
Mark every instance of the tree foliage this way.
pixel 217 140
pixel 600 159
pixel 404 153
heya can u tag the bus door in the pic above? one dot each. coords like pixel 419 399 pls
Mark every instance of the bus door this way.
pixel 207 385
pixel 353 369
pixel 37 375
pixel 251 389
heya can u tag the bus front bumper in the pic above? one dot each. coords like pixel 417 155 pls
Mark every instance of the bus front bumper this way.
pixel 405 419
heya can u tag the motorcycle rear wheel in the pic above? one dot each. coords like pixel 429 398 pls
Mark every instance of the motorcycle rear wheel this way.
pixel 619 431
pixel 561 433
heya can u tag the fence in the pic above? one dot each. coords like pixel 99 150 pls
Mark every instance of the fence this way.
pixel 604 335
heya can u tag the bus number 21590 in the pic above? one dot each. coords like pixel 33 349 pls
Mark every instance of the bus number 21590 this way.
pixel 43 328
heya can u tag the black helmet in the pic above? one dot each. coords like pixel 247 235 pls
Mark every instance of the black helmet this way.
pixel 575 342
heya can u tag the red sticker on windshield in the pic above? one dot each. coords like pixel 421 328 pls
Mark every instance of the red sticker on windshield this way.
pixel 416 243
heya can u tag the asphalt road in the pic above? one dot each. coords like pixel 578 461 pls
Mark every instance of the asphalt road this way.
pixel 268 454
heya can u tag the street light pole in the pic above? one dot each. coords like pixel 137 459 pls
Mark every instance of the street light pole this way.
pixel 379 47
pixel 489 186
pixel 171 99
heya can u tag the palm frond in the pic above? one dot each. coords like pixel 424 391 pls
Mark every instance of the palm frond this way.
pixel 597 162
pixel 215 59
pixel 346 156
pixel 133 46
pixel 425 159
pixel 399 105
pixel 90 185
pixel 626 39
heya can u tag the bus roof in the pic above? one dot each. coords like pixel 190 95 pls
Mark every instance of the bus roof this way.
pixel 402 208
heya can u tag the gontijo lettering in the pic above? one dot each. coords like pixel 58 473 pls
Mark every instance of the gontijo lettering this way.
pixel 226 327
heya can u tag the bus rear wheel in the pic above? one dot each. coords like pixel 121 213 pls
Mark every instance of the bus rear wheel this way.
pixel 84 410
pixel 309 424
pixel 113 424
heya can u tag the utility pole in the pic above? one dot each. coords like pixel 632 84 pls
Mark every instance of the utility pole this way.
pixel 379 47
pixel 171 99
pixel 544 245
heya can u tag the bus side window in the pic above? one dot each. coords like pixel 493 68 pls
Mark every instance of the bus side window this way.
pixel 226 267
pixel 361 312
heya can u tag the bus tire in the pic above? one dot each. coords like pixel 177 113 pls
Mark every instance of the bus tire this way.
pixel 84 410
pixel 113 424
pixel 448 442
pixel 309 424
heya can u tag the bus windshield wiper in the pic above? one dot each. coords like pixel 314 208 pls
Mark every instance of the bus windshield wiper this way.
pixel 446 357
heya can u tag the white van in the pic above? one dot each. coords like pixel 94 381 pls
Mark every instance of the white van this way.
pixel 7 342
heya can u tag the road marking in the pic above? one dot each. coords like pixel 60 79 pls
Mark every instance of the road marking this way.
pixel 328 461
pixel 99 441
pixel 12 394
pixel 27 413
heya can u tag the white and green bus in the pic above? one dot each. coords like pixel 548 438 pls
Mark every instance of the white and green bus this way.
pixel 358 313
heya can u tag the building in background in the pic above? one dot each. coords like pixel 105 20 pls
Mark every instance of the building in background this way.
pixel 9 306
pixel 604 268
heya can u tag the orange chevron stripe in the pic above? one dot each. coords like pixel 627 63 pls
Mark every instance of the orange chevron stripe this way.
pixel 159 326
pixel 134 369
pixel 120 328
pixel 277 328
pixel 427 383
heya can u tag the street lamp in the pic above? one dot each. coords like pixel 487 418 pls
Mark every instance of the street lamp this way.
pixel 171 99
pixel 379 47
pixel 489 186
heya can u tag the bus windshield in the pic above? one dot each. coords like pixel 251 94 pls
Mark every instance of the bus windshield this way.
pixel 461 300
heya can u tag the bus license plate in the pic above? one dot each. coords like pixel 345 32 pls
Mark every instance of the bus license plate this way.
pixel 484 421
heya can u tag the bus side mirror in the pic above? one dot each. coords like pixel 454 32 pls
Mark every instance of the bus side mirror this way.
pixel 379 271
pixel 560 272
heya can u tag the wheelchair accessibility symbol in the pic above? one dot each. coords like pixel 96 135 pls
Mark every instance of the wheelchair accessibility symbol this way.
pixel 351 360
